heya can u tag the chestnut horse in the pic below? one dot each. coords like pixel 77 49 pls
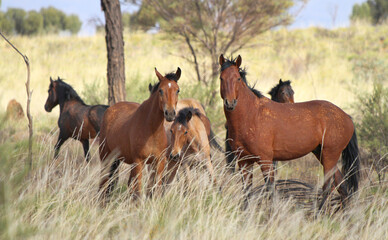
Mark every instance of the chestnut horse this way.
pixel 195 104
pixel 135 134
pixel 281 93
pixel 269 130
pixel 76 119
pixel 190 134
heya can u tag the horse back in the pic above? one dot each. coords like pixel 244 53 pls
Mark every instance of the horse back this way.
pixel 74 121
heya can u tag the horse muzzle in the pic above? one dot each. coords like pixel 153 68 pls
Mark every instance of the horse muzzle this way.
pixel 230 105
pixel 174 157
pixel 169 115
pixel 47 108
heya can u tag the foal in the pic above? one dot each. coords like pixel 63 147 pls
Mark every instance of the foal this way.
pixel 76 119
pixel 189 135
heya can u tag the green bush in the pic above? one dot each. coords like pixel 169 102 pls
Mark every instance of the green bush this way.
pixel 373 127
pixel 95 93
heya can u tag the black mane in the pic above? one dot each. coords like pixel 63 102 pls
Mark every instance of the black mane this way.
pixel 182 115
pixel 276 88
pixel 243 74
pixel 170 76
pixel 66 92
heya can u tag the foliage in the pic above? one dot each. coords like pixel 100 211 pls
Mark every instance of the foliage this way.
pixel 33 23
pixel 209 28
pixel 94 93
pixel 374 11
pixel 47 20
pixel 361 12
pixel 6 25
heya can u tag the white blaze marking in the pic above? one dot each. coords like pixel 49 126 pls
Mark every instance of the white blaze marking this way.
pixel 169 85
pixel 179 127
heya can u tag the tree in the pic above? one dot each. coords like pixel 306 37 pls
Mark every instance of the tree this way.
pixel 6 24
pixel 115 48
pixel 33 23
pixel 52 19
pixel 211 27
pixel 17 16
pixel 378 10
pixel 361 12
pixel 72 23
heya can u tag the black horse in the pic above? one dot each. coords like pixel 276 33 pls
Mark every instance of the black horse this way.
pixel 282 93
pixel 76 119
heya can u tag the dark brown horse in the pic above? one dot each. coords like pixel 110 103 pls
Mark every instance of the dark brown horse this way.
pixel 76 119
pixel 269 130
pixel 282 93
pixel 135 134
pixel 190 134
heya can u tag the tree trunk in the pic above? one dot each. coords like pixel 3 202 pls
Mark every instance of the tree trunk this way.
pixel 115 48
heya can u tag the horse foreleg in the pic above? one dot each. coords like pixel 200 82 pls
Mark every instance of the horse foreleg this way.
pixel 135 179
pixel 268 173
pixel 109 176
pixel 85 145
pixel 61 140
pixel 247 174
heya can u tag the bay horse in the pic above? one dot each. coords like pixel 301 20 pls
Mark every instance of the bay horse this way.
pixel 281 93
pixel 195 104
pixel 76 119
pixel 269 130
pixel 190 135
pixel 135 134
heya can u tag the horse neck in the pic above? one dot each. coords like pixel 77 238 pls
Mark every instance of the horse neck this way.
pixel 244 106
pixel 63 101
pixel 154 116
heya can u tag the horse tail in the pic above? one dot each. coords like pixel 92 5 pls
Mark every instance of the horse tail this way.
pixel 213 142
pixel 230 158
pixel 351 164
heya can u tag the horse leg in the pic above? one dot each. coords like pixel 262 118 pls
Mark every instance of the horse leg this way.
pixel 329 161
pixel 266 167
pixel 247 174
pixel 135 179
pixel 85 145
pixel 61 140
pixel 109 180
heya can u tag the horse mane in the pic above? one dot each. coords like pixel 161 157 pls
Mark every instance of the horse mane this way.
pixel 243 74
pixel 276 88
pixel 170 76
pixel 68 91
pixel 181 118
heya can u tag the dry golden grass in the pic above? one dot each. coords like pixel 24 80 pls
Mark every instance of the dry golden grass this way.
pixel 58 199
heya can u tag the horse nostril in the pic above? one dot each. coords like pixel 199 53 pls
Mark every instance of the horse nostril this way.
pixel 234 101
pixel 165 112
pixel 173 112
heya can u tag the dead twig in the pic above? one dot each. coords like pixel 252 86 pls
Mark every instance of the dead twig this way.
pixel 29 94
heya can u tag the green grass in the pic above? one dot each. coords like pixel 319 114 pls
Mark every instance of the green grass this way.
pixel 58 199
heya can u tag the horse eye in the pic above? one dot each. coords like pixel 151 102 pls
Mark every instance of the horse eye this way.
pixel 239 79
pixel 170 131
pixel 177 91
pixel 161 92
pixel 185 132
pixel 221 79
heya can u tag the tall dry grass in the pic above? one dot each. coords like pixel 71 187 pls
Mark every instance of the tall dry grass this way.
pixel 58 199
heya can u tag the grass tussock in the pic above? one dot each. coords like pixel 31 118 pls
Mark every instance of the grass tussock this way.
pixel 60 200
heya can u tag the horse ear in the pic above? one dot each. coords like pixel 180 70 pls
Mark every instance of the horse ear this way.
pixel 222 59
pixel 238 61
pixel 150 87
pixel 178 74
pixel 280 81
pixel 188 116
pixel 160 77
pixel 51 80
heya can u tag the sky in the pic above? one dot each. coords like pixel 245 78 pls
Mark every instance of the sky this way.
pixel 315 13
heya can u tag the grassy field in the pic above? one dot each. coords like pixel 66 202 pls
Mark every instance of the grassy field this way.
pixel 58 199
